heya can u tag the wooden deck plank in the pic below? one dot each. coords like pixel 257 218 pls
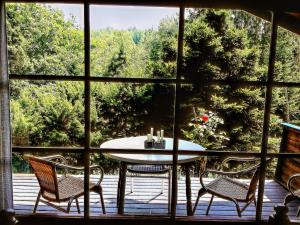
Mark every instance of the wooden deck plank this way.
pixel 146 199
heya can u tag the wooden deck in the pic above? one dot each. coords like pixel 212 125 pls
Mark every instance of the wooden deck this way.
pixel 147 200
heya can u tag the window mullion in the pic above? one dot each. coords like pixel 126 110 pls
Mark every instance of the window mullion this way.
pixel 87 108
pixel 6 185
pixel 267 112
pixel 177 111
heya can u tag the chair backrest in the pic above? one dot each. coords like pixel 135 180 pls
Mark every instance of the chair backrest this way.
pixel 253 183
pixel 45 173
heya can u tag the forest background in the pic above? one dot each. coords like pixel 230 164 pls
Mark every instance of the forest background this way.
pixel 218 44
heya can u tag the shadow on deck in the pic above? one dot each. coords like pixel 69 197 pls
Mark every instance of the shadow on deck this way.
pixel 147 200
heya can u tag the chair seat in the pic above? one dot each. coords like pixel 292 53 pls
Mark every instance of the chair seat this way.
pixel 68 187
pixel 148 169
pixel 228 188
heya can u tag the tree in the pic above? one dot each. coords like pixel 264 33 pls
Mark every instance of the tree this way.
pixel 49 115
pixel 162 45
pixel 216 49
pixel 218 44
pixel 41 41
pixel 114 52
pixel 117 63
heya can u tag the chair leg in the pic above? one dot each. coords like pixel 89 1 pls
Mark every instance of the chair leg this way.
pixel 77 205
pixel 169 189
pixel 69 205
pixel 102 200
pixel 131 185
pixel 162 186
pixel 201 192
pixel 238 208
pixel 246 205
pixel 298 213
pixel 210 203
pixel 254 201
pixel 37 201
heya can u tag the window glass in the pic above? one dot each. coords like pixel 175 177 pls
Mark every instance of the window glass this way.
pixel 47 113
pixel 141 42
pixel 26 187
pixel 287 60
pixel 227 185
pixel 45 39
pixel 225 45
pixel 278 172
pixel 128 110
pixel 285 116
pixel 223 117
pixel 131 41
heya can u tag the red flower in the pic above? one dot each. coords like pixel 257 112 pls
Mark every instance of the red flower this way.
pixel 204 118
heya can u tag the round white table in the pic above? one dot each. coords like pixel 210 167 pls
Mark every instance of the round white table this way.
pixel 138 143
pixel 154 159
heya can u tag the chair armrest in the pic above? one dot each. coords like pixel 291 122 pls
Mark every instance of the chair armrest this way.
pixel 219 172
pixel 238 159
pixel 101 172
pixel 54 157
pixel 248 159
pixel 232 173
pixel 81 168
pixel 289 183
pixel 65 166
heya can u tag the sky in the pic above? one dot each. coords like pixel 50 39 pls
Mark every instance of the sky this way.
pixel 119 17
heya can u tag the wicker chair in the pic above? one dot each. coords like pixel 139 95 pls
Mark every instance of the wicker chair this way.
pixel 230 189
pixel 66 188
pixel 146 171
pixel 294 192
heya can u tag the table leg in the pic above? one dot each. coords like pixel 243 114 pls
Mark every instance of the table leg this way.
pixel 189 207
pixel 121 188
pixel 169 189
pixel 119 184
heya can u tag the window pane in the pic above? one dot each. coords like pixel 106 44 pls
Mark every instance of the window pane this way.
pixel 122 115
pixel 223 117
pixel 134 41
pixel 277 174
pixel 226 45
pixel 45 39
pixel 285 109
pixel 287 61
pixel 47 113
pixel 26 187
pixel 222 208
pixel 128 110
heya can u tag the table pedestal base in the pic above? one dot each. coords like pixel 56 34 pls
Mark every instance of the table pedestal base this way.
pixel 122 186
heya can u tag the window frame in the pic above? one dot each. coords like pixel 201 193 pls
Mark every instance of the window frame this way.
pixel 88 79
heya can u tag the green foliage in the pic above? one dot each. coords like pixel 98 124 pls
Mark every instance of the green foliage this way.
pixel 117 63
pixel 162 45
pixel 48 115
pixel 41 41
pixel 216 49
pixel 218 44
pixel 117 53
pixel 205 130
pixel 118 110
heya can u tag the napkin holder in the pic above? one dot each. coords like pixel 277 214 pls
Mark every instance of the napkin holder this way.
pixel 160 145
pixel 149 144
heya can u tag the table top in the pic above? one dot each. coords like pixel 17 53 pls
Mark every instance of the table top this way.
pixel 138 143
